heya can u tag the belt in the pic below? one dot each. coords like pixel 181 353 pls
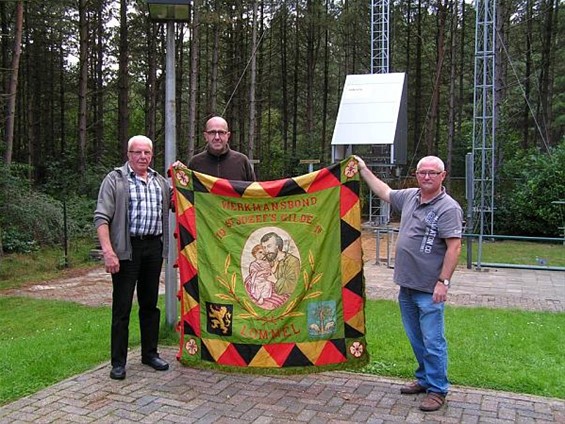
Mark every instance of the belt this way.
pixel 146 237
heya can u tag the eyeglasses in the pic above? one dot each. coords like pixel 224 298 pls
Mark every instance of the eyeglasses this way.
pixel 431 174
pixel 213 133
pixel 140 152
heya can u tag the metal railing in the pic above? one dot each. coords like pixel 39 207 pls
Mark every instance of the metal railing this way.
pixel 541 264
pixel 389 235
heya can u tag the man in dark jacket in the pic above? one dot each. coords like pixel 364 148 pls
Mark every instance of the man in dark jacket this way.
pixel 218 159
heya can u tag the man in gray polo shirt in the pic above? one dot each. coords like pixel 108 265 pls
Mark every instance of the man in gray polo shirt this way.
pixel 427 251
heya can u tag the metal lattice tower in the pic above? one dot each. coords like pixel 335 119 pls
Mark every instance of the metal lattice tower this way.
pixel 379 212
pixel 380 36
pixel 484 122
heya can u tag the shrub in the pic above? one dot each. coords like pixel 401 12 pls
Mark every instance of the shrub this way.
pixel 535 180
pixel 14 241
pixel 29 218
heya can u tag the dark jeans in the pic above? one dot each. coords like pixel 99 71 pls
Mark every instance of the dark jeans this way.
pixel 143 270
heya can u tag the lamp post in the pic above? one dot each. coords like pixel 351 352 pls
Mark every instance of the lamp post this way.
pixel 170 11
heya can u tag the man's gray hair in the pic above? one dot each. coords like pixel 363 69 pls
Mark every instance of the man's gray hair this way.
pixel 431 159
pixel 140 138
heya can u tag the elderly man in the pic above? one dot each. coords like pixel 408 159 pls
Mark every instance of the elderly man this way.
pixel 131 219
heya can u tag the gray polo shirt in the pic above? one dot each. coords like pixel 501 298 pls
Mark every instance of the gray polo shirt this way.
pixel 421 247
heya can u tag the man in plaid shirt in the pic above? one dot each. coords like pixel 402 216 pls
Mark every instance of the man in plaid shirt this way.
pixel 132 219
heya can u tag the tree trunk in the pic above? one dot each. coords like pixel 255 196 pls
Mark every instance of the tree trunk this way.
pixel 504 12
pixel 13 86
pixel 123 82
pixel 295 90
pixel 99 144
pixel 527 75
pixel 151 87
pixel 544 81
pixel 284 72
pixel 555 132
pixel 252 85
pixel 82 86
pixel 312 41
pixel 215 58
pixel 434 106
pixel 324 152
pixel 418 79
pixel 452 93
pixel 194 50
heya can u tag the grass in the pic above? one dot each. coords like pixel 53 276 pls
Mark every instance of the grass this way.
pixel 517 252
pixel 46 341
pixel 507 350
pixel 510 252
pixel 43 342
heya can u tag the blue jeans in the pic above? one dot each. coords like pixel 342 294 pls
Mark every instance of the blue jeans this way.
pixel 423 322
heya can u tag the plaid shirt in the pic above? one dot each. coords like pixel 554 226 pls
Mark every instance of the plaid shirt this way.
pixel 145 205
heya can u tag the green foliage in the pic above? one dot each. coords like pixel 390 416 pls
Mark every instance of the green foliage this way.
pixel 15 242
pixel 534 180
pixel 29 217
pixel 34 215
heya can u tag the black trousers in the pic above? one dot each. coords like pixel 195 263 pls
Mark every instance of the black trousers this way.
pixel 143 271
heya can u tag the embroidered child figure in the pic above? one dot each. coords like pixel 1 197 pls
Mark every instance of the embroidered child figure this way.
pixel 260 280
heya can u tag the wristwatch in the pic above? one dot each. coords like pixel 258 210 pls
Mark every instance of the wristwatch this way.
pixel 445 281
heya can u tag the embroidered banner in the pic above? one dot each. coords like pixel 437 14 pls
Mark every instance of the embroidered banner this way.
pixel 271 272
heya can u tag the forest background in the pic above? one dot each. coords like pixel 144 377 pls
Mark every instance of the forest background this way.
pixel 79 77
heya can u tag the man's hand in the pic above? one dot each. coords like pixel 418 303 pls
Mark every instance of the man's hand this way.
pixel 440 292
pixel 178 164
pixel 360 163
pixel 379 187
pixel 111 262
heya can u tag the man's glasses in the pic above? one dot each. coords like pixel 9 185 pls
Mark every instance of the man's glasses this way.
pixel 431 174
pixel 140 152
pixel 213 133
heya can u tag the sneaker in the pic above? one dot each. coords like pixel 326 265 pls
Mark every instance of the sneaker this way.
pixel 432 402
pixel 412 388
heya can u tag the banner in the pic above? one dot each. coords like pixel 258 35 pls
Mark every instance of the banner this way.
pixel 271 272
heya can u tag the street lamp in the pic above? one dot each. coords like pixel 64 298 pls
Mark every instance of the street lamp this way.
pixel 170 11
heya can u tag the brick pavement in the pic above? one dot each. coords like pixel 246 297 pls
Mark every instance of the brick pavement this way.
pixel 531 290
pixel 190 395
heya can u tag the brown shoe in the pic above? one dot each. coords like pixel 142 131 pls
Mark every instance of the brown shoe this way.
pixel 432 402
pixel 412 388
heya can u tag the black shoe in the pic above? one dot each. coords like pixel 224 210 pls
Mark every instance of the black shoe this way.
pixel 156 363
pixel 118 372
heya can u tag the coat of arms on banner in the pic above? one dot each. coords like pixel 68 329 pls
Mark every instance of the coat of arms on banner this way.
pixel 271 272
